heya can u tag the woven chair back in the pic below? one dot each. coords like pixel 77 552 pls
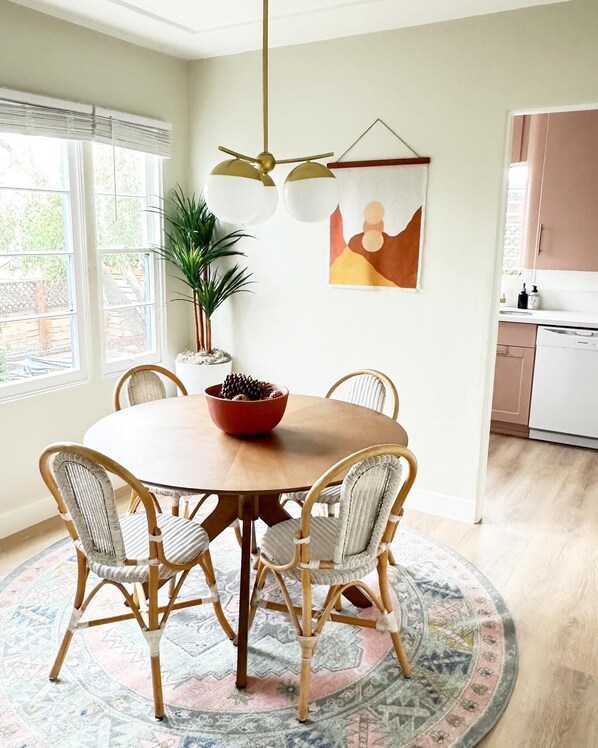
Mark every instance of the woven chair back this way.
pixel 367 390
pixel 367 496
pixel 144 386
pixel 89 497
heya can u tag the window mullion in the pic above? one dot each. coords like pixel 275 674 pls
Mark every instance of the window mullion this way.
pixel 94 287
pixel 77 277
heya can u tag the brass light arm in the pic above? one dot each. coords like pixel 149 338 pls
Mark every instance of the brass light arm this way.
pixel 237 155
pixel 303 158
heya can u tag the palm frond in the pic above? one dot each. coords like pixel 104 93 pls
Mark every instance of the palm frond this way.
pixel 220 286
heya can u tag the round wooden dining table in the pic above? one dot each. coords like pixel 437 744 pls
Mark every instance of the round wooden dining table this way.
pixel 173 443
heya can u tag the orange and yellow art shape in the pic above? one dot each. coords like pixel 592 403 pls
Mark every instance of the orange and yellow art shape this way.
pixel 375 233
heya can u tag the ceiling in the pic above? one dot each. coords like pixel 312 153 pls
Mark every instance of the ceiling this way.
pixel 193 29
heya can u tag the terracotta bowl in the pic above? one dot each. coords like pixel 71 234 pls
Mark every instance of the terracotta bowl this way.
pixel 246 417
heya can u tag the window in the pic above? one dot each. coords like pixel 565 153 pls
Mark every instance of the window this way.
pixel 40 262
pixel 126 184
pixel 54 324
pixel 515 219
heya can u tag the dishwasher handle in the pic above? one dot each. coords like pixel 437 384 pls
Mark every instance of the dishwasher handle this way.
pixel 566 337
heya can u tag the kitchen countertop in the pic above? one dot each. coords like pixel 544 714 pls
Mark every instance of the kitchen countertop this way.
pixel 548 317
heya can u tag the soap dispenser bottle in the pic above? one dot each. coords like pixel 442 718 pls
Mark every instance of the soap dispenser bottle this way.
pixel 533 299
pixel 522 299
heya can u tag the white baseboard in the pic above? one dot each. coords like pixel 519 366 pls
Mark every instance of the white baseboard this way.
pixel 441 505
pixel 25 516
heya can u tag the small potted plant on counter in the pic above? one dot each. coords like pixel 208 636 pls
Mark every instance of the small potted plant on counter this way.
pixel 192 245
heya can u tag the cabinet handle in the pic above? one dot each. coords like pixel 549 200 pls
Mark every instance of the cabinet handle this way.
pixel 502 350
pixel 540 235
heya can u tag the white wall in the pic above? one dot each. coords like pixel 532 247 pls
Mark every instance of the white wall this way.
pixel 447 89
pixel 46 56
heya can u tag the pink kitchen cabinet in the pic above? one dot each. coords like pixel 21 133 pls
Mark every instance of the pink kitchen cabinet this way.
pixel 513 374
pixel 561 218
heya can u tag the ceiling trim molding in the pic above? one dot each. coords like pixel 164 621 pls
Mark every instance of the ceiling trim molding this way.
pixel 154 16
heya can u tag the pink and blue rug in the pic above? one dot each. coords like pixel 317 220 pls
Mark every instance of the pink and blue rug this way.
pixel 458 635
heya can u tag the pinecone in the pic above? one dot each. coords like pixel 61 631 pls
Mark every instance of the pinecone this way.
pixel 241 384
pixel 231 387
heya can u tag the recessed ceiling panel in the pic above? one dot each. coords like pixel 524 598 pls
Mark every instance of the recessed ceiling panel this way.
pixel 194 29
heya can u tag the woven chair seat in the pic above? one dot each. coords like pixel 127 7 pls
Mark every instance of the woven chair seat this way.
pixel 278 546
pixel 330 496
pixel 183 541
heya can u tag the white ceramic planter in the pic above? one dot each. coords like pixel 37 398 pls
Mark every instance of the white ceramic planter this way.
pixel 196 377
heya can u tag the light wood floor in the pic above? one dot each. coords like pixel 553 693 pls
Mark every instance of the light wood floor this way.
pixel 538 544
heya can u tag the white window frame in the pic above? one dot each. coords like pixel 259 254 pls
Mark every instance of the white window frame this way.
pixel 85 258
pixel 79 289
pixel 153 187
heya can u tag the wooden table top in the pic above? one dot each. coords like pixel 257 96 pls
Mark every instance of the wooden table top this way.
pixel 174 443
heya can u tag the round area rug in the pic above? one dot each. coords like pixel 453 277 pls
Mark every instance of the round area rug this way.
pixel 457 633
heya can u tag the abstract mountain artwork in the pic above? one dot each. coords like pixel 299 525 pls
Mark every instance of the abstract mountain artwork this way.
pixel 376 232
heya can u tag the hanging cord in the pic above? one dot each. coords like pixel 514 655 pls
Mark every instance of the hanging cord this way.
pixel 114 169
pixel 363 134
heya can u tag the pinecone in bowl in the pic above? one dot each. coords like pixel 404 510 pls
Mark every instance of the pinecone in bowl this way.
pixel 241 384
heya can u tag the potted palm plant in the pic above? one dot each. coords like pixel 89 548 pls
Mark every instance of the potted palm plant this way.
pixel 193 246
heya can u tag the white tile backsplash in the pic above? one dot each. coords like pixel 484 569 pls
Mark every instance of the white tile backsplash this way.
pixel 571 291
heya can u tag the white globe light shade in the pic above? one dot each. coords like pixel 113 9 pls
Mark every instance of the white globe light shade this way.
pixel 310 192
pixel 233 191
pixel 268 202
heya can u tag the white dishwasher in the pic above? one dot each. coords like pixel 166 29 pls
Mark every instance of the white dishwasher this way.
pixel 564 405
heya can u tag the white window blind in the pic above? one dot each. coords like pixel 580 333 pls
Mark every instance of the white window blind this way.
pixel 30 114
pixel 129 131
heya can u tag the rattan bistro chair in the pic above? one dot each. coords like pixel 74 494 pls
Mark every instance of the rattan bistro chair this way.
pixel 141 550
pixel 339 551
pixel 366 387
pixel 144 384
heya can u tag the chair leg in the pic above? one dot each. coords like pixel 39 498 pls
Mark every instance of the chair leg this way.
pixel 157 683
pixel 308 644
pixel 134 502
pixel 208 570
pixel 153 635
pixel 262 572
pixel 82 574
pixel 388 605
pixel 391 558
pixel 338 603
pixel 237 527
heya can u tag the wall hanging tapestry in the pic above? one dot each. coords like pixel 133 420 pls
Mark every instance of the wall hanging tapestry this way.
pixel 376 233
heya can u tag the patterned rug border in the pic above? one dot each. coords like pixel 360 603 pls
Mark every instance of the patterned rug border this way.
pixel 479 730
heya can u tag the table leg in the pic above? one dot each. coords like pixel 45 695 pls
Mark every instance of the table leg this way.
pixel 224 513
pixel 271 511
pixel 246 515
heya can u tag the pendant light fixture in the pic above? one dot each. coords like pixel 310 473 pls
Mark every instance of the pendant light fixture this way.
pixel 241 190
